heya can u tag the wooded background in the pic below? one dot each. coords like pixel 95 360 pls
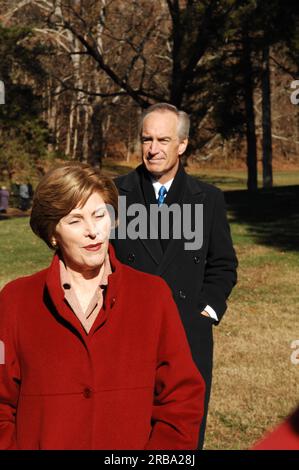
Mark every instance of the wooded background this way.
pixel 78 73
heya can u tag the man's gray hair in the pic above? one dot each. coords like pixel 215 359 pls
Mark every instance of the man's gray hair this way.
pixel 183 118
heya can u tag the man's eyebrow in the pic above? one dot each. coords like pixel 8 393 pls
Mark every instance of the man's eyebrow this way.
pixel 145 136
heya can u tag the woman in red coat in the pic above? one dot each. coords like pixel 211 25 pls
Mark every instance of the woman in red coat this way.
pixel 95 356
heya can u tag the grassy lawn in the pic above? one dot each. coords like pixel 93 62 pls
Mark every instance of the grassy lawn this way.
pixel 21 252
pixel 224 179
pixel 255 384
pixel 237 179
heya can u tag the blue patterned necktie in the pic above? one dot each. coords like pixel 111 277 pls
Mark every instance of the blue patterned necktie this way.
pixel 161 195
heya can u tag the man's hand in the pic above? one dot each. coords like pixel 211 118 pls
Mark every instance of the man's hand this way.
pixel 205 313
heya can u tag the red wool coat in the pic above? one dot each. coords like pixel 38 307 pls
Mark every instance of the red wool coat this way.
pixel 284 437
pixel 129 384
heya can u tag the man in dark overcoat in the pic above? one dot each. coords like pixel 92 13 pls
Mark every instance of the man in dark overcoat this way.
pixel 188 243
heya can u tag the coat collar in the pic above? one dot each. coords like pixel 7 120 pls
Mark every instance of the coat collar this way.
pixel 193 193
pixel 131 182
pixel 54 297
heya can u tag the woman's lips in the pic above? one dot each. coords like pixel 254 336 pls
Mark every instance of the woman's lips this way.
pixel 94 247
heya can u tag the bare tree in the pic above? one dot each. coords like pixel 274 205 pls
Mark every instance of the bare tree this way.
pixel 267 124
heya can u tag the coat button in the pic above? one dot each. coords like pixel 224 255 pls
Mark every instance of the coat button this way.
pixel 196 259
pixel 131 257
pixel 87 392
pixel 112 302
pixel 182 294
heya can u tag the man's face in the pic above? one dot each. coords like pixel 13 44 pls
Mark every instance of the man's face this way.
pixel 161 146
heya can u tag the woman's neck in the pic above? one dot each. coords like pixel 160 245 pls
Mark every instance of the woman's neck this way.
pixel 86 280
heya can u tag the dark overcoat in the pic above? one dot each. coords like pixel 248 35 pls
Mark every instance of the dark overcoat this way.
pixel 200 277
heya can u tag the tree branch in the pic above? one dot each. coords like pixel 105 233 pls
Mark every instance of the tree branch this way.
pixel 284 69
pixel 97 56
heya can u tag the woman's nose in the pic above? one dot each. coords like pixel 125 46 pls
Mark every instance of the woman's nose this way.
pixel 91 229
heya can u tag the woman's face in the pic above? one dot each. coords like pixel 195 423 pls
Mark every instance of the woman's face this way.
pixel 83 235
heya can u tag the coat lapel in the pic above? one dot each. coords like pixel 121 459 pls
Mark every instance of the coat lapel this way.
pixel 131 188
pixel 192 194
pixel 56 297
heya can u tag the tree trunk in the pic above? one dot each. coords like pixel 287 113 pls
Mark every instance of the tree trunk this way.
pixel 77 153
pixel 75 141
pixel 56 114
pixel 86 135
pixel 249 108
pixel 105 129
pixel 266 106
pixel 69 136
pixel 97 141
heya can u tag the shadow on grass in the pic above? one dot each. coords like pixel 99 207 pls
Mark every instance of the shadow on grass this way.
pixel 271 214
pixel 14 213
pixel 222 180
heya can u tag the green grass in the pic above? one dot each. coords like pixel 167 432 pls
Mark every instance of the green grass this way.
pixel 21 251
pixel 225 179
pixel 255 384
pixel 237 179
